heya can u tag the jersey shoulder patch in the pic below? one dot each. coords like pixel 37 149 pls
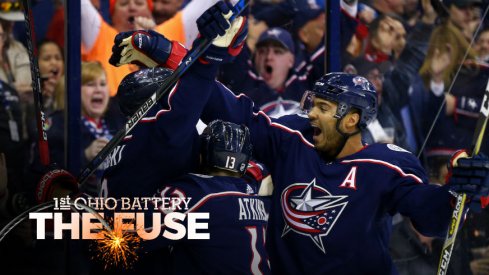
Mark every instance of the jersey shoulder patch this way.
pixel 396 148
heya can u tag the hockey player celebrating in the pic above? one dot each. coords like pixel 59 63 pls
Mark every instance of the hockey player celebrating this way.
pixel 237 216
pixel 334 196
pixel 166 137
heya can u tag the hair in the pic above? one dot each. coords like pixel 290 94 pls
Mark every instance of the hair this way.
pixel 7 29
pixel 47 41
pixel 374 28
pixel 113 2
pixel 90 71
pixel 446 34
pixel 59 94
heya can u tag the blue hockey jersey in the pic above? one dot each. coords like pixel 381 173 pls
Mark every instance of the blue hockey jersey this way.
pixel 164 145
pixel 333 217
pixel 236 226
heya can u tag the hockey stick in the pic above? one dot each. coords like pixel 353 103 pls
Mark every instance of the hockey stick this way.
pixel 36 84
pixel 166 87
pixel 480 129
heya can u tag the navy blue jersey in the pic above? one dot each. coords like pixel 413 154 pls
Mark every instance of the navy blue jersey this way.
pixel 164 145
pixel 333 217
pixel 236 226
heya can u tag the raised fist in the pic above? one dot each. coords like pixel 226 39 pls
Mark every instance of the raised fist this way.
pixel 146 48
pixel 228 38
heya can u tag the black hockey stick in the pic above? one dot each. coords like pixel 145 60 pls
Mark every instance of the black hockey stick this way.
pixel 480 129
pixel 36 84
pixel 166 87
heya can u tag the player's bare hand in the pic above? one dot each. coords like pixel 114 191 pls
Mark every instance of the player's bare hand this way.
pixel 95 147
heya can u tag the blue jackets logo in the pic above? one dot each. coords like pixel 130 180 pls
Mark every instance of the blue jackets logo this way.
pixel 311 210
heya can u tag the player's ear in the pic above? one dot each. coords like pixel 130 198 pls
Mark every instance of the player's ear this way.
pixel 350 122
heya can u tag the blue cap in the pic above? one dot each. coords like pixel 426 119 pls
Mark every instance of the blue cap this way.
pixel 279 35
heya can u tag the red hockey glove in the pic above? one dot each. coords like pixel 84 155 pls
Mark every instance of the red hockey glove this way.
pixel 470 176
pixel 147 48
pixel 56 183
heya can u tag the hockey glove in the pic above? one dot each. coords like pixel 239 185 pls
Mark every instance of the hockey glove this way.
pixel 470 176
pixel 228 39
pixel 146 48
pixel 56 183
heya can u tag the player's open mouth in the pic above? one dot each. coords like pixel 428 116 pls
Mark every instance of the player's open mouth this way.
pixel 316 132
pixel 130 20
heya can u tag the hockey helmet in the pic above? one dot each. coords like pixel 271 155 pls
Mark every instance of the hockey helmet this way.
pixel 348 91
pixel 227 146
pixel 138 86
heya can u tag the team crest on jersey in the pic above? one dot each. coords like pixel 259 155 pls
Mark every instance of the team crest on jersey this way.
pixel 311 210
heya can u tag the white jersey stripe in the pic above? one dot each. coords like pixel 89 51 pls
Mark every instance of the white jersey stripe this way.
pixel 390 165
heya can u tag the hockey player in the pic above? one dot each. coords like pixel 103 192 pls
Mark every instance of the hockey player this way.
pixel 333 195
pixel 163 145
pixel 237 216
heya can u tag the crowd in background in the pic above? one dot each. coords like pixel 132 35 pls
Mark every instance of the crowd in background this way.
pixel 418 57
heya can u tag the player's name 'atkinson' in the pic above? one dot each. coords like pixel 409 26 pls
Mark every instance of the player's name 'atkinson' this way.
pixel 252 209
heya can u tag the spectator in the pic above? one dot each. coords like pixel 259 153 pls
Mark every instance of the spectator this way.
pixel 14 61
pixel 398 79
pixel 386 128
pixel 307 26
pixel 309 29
pixel 386 40
pixel 51 68
pixel 97 128
pixel 454 128
pixel 465 15
pixel 12 143
pixel 98 35
pixel 270 80
pixel 482 46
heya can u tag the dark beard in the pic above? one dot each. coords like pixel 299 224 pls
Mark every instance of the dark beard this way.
pixel 336 144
